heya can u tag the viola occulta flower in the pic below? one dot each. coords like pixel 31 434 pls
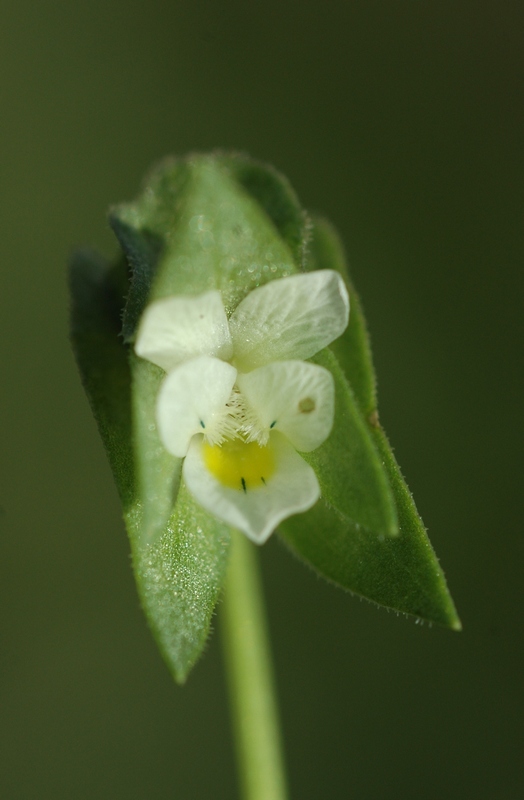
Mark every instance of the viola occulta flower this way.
pixel 239 402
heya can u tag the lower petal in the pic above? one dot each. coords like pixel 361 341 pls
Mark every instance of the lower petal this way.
pixel 255 507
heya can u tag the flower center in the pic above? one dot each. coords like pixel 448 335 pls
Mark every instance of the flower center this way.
pixel 235 421
pixel 240 465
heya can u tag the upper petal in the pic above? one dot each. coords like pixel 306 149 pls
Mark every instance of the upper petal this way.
pixel 176 329
pixel 191 398
pixel 292 487
pixel 293 397
pixel 291 317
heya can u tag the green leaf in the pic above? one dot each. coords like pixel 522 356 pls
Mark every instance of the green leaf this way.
pixel 351 475
pixel 158 472
pixel 401 573
pixel 143 251
pixel 180 553
pixel 352 349
pixel 180 575
pixel 96 291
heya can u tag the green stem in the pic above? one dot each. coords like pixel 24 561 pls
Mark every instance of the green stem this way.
pixel 250 678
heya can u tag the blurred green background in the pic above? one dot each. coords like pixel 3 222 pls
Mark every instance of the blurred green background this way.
pixel 403 123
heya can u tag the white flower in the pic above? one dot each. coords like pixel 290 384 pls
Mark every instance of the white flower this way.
pixel 233 402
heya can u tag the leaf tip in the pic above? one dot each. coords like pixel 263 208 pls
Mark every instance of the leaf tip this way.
pixel 456 624
pixel 180 676
pixel 449 619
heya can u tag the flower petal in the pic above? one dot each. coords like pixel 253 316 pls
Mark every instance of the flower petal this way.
pixel 291 317
pixel 190 399
pixel 292 488
pixel 176 329
pixel 293 397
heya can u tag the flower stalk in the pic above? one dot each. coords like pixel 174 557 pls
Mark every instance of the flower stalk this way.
pixel 250 679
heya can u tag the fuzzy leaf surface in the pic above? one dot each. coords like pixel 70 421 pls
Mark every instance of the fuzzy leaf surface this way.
pixel 180 571
pixel 401 572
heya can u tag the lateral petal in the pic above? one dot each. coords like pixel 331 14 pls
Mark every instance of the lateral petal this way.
pixel 176 329
pixel 292 488
pixel 294 397
pixel 191 399
pixel 291 317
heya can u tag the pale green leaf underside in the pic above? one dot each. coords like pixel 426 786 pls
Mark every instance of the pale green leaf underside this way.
pixel 217 236
pixel 180 575
pixel 213 234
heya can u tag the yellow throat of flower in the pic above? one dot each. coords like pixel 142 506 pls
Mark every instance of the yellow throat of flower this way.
pixel 240 465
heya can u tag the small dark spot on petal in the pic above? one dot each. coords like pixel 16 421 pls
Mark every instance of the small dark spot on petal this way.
pixel 244 487
pixel 307 405
pixel 202 423
pixel 273 424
